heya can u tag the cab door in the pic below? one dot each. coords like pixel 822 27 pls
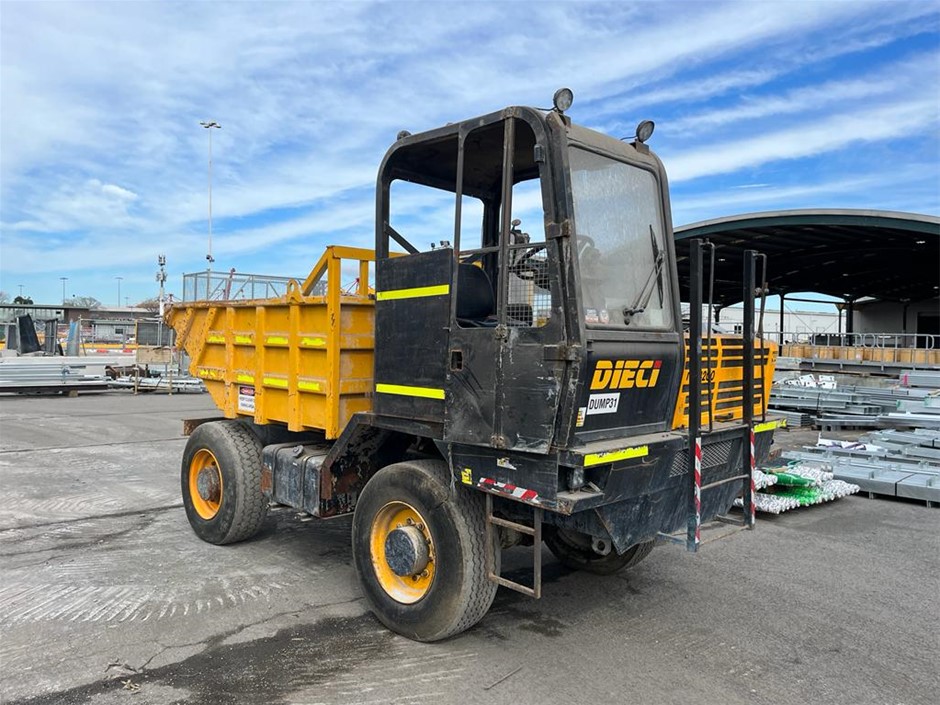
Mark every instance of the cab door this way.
pixel 504 377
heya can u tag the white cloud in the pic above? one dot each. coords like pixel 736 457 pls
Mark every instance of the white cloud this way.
pixel 907 78
pixel 811 139
pixel 100 104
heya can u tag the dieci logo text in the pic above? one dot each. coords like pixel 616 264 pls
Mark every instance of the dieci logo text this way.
pixel 625 374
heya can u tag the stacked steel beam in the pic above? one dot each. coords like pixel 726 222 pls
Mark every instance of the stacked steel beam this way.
pixel 889 462
pixel 50 374
pixel 914 402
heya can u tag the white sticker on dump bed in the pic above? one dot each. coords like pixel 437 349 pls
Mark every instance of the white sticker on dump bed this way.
pixel 246 399
pixel 603 403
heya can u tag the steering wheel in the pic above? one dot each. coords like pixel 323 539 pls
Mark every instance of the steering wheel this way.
pixel 519 267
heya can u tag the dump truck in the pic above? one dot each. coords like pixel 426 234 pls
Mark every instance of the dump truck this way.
pixel 499 387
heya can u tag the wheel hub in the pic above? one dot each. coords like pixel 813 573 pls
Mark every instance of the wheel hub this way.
pixel 406 551
pixel 208 485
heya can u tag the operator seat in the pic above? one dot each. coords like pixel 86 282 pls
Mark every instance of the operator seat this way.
pixel 475 300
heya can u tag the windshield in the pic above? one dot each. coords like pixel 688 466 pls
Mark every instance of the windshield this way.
pixel 621 251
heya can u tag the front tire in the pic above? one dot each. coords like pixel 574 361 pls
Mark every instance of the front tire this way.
pixel 574 550
pixel 419 545
pixel 220 480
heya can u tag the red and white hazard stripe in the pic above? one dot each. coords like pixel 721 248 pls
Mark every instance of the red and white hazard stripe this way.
pixel 752 509
pixel 698 490
pixel 509 490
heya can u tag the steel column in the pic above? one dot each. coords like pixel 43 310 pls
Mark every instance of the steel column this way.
pixel 747 447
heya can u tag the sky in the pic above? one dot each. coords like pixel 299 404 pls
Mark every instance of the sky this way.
pixel 104 165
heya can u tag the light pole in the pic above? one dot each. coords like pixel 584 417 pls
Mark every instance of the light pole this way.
pixel 64 279
pixel 119 290
pixel 21 290
pixel 209 259
pixel 161 279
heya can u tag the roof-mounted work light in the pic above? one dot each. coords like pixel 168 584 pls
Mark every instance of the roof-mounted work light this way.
pixel 562 99
pixel 644 130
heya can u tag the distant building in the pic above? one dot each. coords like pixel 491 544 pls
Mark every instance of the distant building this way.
pixel 102 325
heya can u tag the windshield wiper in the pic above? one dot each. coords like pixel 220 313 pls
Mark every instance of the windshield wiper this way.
pixel 653 282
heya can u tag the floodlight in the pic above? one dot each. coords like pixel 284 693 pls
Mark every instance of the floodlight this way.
pixel 645 130
pixel 562 99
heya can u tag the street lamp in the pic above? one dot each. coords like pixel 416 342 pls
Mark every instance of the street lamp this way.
pixel 64 279
pixel 161 280
pixel 119 290
pixel 209 259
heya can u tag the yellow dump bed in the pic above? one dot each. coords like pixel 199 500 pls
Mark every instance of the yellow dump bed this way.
pixel 301 359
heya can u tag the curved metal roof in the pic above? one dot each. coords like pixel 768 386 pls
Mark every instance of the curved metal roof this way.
pixel 850 254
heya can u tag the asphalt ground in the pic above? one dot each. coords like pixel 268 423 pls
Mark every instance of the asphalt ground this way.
pixel 106 596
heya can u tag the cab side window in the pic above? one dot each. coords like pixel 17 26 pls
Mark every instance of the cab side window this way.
pixel 491 230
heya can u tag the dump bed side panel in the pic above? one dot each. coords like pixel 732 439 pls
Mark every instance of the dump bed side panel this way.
pixel 298 360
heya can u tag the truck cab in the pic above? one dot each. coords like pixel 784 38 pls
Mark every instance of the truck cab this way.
pixel 544 315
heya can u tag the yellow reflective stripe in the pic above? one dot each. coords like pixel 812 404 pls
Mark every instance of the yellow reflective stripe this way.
pixel 247 379
pixel 312 342
pixel 276 340
pixel 208 373
pixel 242 339
pixel 415 293
pixel 615 455
pixel 769 425
pixel 281 383
pixel 215 339
pixel 404 390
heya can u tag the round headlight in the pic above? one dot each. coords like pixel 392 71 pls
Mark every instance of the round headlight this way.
pixel 562 99
pixel 645 130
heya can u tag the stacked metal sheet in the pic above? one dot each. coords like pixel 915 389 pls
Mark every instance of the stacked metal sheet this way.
pixel 161 384
pixel 50 375
pixel 921 378
pixel 856 406
pixel 923 409
pixel 890 462
pixel 796 419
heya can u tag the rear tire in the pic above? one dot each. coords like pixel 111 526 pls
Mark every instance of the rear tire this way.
pixel 449 590
pixel 574 551
pixel 220 480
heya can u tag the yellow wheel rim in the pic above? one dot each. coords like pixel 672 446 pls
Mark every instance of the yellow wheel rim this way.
pixel 406 589
pixel 205 484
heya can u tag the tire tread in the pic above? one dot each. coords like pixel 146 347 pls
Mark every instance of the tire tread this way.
pixel 251 507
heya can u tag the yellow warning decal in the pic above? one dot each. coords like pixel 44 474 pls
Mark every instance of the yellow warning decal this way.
pixel 307 386
pixel 312 342
pixel 615 455
pixel 415 293
pixel 407 391
pixel 247 379
pixel 215 339
pixel 466 476
pixel 276 340
pixel 770 425
pixel 243 340
pixel 274 382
